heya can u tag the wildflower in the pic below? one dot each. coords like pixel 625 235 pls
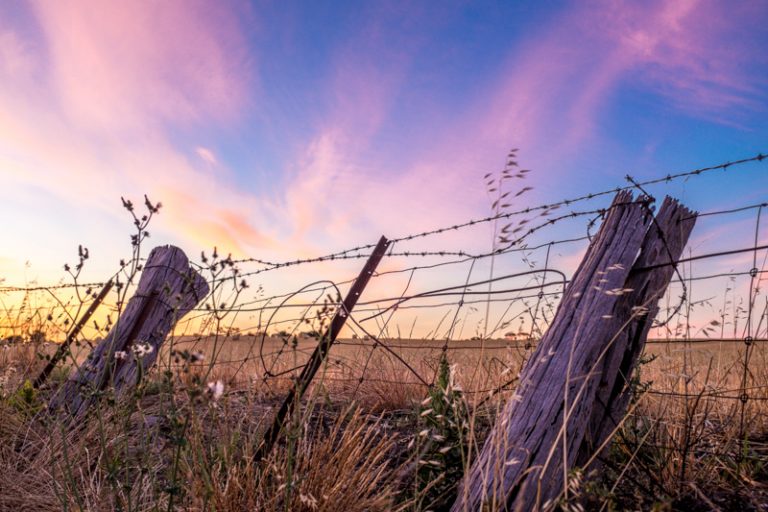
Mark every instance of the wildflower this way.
pixel 142 349
pixel 121 354
pixel 216 389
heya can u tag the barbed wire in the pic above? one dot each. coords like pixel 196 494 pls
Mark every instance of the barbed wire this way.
pixel 375 317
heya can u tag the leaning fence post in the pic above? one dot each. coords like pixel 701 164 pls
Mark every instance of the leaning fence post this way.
pixel 322 349
pixel 62 350
pixel 574 388
pixel 168 289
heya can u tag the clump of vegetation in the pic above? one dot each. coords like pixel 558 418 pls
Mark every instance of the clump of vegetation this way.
pixel 26 400
pixel 442 441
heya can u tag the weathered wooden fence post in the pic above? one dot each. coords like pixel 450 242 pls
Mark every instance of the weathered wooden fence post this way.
pixel 574 389
pixel 168 289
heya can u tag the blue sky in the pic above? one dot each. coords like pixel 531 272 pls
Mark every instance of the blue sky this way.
pixel 291 129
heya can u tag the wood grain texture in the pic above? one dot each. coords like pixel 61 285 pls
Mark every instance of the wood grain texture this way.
pixel 574 385
pixel 168 289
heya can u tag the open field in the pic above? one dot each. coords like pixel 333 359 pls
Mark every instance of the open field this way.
pixel 356 443
pixel 164 418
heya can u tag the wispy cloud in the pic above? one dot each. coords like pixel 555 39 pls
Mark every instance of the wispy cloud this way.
pixel 109 97
pixel 548 97
pixel 92 107
pixel 126 65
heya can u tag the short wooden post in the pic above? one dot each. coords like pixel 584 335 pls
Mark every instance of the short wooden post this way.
pixel 168 289
pixel 574 388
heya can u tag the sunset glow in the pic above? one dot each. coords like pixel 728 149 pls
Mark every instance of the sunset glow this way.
pixel 284 131
pixel 375 256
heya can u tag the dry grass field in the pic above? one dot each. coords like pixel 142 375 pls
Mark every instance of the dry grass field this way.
pixel 369 435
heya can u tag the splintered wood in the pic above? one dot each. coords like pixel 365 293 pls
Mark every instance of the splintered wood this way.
pixel 168 289
pixel 575 388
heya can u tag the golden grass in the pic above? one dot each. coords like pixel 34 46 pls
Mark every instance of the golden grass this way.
pixel 175 447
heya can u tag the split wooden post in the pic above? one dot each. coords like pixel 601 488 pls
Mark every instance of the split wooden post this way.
pixel 321 351
pixel 574 389
pixel 168 289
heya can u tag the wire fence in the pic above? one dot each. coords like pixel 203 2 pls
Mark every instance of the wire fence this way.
pixel 482 309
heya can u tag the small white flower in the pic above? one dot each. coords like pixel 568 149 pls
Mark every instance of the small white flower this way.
pixel 216 389
pixel 121 354
pixel 143 348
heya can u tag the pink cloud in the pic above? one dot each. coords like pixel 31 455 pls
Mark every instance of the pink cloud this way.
pixel 118 74
pixel 548 100
pixel 126 65
pixel 206 155
pixel 87 102
pixel 698 54
pixel 15 58
pixel 334 189
pixel 557 85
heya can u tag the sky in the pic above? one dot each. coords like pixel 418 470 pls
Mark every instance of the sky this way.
pixel 283 130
